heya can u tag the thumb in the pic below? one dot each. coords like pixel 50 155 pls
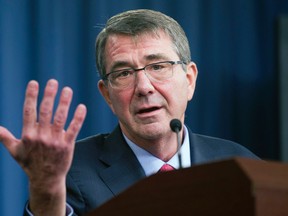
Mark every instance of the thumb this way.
pixel 7 138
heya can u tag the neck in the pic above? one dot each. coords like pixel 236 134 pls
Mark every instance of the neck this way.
pixel 164 147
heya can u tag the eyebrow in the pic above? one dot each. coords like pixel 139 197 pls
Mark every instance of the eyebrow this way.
pixel 158 56
pixel 119 64
pixel 151 57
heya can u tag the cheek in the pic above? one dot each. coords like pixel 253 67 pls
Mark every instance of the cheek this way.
pixel 120 103
pixel 179 93
pixel 172 93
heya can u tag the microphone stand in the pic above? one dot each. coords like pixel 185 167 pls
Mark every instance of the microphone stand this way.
pixel 176 125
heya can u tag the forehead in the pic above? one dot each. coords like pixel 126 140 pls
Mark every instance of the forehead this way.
pixel 120 47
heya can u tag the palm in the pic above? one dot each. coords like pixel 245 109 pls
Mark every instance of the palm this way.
pixel 45 149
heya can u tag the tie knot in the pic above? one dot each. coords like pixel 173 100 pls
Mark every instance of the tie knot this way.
pixel 166 167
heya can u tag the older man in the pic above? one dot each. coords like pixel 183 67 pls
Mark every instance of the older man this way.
pixel 147 79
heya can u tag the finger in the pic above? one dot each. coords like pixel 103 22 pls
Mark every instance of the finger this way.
pixel 61 114
pixel 76 123
pixel 46 107
pixel 8 139
pixel 30 105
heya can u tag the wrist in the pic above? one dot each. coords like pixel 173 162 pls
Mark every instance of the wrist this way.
pixel 48 197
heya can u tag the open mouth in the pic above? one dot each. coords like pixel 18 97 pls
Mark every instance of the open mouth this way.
pixel 150 109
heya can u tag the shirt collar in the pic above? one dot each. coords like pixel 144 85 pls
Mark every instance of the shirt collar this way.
pixel 152 164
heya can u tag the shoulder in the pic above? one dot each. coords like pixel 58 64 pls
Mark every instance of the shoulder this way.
pixel 207 148
pixel 91 140
pixel 204 139
pixel 100 149
pixel 89 145
pixel 211 142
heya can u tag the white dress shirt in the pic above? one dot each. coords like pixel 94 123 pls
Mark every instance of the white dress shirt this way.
pixel 152 164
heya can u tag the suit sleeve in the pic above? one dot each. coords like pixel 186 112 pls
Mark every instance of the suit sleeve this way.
pixel 74 197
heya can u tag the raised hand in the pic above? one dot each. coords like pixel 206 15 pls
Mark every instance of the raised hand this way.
pixel 45 149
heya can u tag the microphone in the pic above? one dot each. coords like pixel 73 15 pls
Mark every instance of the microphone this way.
pixel 176 126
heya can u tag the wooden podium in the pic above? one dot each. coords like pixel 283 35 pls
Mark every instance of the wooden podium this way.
pixel 235 187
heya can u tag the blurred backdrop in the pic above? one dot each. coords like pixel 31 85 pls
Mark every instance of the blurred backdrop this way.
pixel 233 42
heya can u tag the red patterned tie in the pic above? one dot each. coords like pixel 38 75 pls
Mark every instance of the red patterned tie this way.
pixel 166 167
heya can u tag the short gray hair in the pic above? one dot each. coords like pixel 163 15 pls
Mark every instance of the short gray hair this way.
pixel 137 22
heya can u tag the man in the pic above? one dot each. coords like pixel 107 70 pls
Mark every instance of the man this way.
pixel 147 79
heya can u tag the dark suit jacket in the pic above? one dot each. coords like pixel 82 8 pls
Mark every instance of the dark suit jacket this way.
pixel 104 165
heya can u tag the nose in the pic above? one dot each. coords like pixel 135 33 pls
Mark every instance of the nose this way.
pixel 143 85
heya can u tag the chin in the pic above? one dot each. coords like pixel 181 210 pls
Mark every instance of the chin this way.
pixel 152 131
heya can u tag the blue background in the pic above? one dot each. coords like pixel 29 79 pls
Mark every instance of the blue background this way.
pixel 234 44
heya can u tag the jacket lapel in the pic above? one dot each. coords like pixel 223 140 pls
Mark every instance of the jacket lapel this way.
pixel 123 168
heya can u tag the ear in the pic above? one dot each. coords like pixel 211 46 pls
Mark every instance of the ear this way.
pixel 103 88
pixel 191 75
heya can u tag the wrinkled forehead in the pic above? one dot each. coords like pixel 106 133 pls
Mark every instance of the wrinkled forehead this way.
pixel 140 38
pixel 146 41
pixel 152 33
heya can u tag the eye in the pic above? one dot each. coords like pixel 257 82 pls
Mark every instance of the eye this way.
pixel 156 67
pixel 159 67
pixel 122 74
